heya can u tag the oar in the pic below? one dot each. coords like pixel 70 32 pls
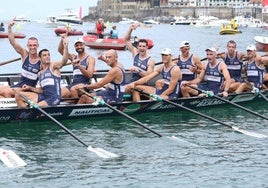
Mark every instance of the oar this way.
pixel 10 61
pixel 211 94
pixel 11 159
pixel 99 151
pixel 103 103
pixel 157 97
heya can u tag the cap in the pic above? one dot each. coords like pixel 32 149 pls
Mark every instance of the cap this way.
pixel 166 51
pixel 184 43
pixel 211 49
pixel 79 40
pixel 251 47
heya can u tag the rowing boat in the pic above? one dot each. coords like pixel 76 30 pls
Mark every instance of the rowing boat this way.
pixel 9 112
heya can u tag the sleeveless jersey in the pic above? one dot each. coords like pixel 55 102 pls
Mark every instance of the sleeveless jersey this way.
pixel 115 91
pixel 142 65
pixel 78 76
pixel 166 74
pixel 29 74
pixel 234 67
pixel 185 68
pixel 255 74
pixel 50 84
pixel 214 78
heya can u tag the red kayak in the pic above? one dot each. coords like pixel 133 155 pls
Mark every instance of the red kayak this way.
pixel 108 43
pixel 16 35
pixel 62 30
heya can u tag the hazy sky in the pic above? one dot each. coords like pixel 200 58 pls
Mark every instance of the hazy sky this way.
pixel 40 9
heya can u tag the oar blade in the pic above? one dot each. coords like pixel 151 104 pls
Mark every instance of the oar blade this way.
pixel 102 153
pixel 253 134
pixel 11 159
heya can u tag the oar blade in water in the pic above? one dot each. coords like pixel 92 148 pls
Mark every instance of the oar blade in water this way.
pixel 11 159
pixel 102 153
pixel 253 134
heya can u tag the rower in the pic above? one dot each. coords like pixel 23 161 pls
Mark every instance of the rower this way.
pixel 83 68
pixel 115 79
pixel 234 61
pixel 215 73
pixel 31 64
pixel 171 75
pixel 255 69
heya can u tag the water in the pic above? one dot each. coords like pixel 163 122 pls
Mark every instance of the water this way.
pixel 205 155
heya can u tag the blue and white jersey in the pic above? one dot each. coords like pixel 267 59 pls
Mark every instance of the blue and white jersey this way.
pixel 234 67
pixel 50 84
pixel 166 74
pixel 255 74
pixel 185 68
pixel 78 76
pixel 214 78
pixel 29 74
pixel 141 65
pixel 115 91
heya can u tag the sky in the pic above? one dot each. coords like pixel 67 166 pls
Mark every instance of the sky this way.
pixel 40 9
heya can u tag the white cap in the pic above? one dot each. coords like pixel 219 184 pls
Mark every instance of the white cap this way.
pixel 211 49
pixel 166 51
pixel 251 47
pixel 184 43
pixel 79 40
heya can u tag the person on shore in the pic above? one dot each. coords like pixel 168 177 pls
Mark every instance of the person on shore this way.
pixel 190 64
pixel 2 28
pixel 171 74
pixel 143 63
pixel 83 68
pixel 214 75
pixel 31 64
pixel 114 32
pixel 49 92
pixel 114 79
pixel 255 70
pixel 100 27
pixel 234 61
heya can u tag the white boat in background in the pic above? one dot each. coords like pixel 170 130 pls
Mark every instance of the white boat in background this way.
pixel 180 20
pixel 248 22
pixel 151 21
pixel 70 16
pixel 51 22
pixel 128 21
pixel 21 18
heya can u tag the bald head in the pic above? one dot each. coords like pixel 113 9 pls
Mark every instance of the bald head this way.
pixel 111 57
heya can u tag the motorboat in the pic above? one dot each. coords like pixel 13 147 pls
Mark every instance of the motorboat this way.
pixel 69 16
pixel 128 21
pixel 52 22
pixel 226 29
pixel 150 21
pixel 182 21
pixel 21 18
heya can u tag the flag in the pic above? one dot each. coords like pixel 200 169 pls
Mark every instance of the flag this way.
pixel 80 13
